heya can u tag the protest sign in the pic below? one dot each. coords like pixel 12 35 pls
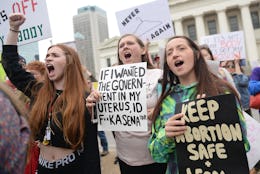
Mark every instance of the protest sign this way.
pixel 122 106
pixel 35 28
pixel 224 46
pixel 150 21
pixel 213 141
pixel 253 129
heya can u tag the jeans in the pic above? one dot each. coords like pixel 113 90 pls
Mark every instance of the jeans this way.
pixel 103 140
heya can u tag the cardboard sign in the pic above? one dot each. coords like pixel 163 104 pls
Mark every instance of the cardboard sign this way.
pixel 213 142
pixel 150 21
pixel 224 46
pixel 35 28
pixel 122 106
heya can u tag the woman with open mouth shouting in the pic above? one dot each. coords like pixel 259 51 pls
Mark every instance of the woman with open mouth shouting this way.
pixel 59 120
pixel 185 77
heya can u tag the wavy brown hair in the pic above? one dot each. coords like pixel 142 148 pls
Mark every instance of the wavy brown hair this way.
pixel 38 66
pixel 71 103
pixel 141 43
pixel 208 83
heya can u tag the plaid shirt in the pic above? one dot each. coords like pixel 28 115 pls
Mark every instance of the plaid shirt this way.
pixel 163 148
pixel 14 136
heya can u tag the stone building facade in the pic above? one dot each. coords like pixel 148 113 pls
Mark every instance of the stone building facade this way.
pixel 197 18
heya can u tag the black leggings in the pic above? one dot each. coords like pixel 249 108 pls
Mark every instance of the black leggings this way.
pixel 158 168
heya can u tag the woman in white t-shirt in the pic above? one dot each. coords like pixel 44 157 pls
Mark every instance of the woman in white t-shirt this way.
pixel 132 146
pixel 132 150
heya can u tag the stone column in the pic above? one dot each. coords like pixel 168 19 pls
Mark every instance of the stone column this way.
pixel 200 26
pixel 222 21
pixel 178 27
pixel 249 33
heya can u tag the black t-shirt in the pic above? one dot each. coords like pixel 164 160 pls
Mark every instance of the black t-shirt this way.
pixel 90 161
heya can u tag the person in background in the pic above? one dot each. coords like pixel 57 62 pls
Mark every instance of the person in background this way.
pixel 157 62
pixel 23 98
pixel 22 61
pixel 59 119
pixel 132 152
pixel 37 69
pixel 149 57
pixel 254 82
pixel 185 77
pixel 254 88
pixel 101 134
pixel 241 81
pixel 104 144
pixel 14 132
pixel 215 67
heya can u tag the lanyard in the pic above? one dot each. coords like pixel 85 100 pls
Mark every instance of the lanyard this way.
pixel 48 130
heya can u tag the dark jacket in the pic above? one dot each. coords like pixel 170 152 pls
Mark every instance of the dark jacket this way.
pixel 89 162
pixel 254 83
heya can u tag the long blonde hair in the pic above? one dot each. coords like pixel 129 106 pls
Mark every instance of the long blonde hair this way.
pixel 71 103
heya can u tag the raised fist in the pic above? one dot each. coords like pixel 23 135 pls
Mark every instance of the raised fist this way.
pixel 16 20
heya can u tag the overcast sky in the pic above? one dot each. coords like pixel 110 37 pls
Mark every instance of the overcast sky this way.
pixel 61 13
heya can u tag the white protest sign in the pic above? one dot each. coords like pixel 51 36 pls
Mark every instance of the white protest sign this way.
pixel 253 129
pixel 150 21
pixel 122 106
pixel 224 46
pixel 35 28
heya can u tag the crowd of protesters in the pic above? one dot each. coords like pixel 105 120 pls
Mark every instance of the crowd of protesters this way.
pixel 52 131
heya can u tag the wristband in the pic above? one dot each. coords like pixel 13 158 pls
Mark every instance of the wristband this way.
pixel 16 31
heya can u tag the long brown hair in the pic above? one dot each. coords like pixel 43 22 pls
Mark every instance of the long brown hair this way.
pixel 70 103
pixel 141 43
pixel 208 83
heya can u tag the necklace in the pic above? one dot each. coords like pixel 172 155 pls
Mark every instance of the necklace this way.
pixel 48 130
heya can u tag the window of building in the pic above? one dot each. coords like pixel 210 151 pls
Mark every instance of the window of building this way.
pixel 108 62
pixel 212 27
pixel 255 19
pixel 192 31
pixel 211 23
pixel 233 23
